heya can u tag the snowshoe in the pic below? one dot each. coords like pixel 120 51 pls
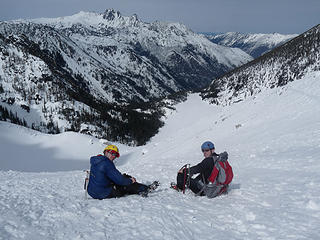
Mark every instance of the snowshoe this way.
pixel 174 186
pixel 153 186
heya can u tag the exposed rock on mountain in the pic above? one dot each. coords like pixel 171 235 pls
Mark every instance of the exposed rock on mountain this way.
pixel 253 44
pixel 286 63
pixel 86 72
pixel 123 59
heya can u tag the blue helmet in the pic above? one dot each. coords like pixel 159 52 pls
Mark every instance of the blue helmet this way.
pixel 207 146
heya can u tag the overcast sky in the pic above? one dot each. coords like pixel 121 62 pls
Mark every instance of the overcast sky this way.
pixel 248 16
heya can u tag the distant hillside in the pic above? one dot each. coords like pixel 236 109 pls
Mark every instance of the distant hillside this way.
pixel 95 72
pixel 253 44
pixel 289 62
pixel 120 58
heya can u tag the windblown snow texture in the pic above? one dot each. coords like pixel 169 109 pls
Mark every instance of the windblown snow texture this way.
pixel 253 44
pixel 273 141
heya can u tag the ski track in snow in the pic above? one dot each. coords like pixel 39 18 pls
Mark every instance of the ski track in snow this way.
pixel 273 143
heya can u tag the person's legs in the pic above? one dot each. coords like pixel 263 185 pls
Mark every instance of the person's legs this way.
pixel 196 184
pixel 116 192
pixel 134 188
pixel 180 181
pixel 193 185
pixel 120 191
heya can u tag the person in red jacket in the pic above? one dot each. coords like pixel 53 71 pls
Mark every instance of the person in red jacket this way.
pixel 106 181
pixel 214 171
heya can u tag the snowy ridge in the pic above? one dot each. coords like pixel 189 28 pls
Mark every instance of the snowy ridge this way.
pixel 110 18
pixel 120 43
pixel 253 44
pixel 162 34
pixel 273 142
pixel 93 62
pixel 286 63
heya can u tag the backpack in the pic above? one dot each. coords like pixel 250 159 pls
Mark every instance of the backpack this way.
pixel 220 176
pixel 222 173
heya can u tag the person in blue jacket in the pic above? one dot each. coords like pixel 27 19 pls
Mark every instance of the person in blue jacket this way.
pixel 106 181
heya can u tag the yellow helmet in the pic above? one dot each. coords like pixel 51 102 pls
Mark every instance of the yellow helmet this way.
pixel 112 149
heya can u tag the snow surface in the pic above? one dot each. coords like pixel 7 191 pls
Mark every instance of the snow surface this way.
pixel 257 38
pixel 103 47
pixel 273 142
pixel 160 38
pixel 254 44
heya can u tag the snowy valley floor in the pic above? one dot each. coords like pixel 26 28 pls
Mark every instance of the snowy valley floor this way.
pixel 273 143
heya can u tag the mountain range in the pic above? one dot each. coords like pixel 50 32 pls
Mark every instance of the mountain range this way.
pixel 118 58
pixel 114 76
pixel 286 63
pixel 82 72
pixel 255 44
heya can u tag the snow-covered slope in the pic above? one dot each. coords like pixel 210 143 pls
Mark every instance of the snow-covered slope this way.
pixel 288 62
pixel 76 72
pixel 253 44
pixel 122 58
pixel 273 142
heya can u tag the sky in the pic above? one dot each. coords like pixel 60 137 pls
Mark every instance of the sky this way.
pixel 247 16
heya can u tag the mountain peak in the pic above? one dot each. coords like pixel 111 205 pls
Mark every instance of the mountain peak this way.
pixel 111 14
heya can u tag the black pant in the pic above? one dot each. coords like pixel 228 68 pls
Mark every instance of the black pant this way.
pixel 194 184
pixel 120 191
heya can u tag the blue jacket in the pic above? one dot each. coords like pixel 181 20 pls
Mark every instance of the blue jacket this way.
pixel 103 174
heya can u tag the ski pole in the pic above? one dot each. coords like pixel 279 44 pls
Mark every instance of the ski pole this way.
pixel 86 181
pixel 184 180
pixel 186 168
pixel 189 176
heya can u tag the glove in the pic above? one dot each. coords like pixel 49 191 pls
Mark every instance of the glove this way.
pixel 126 175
